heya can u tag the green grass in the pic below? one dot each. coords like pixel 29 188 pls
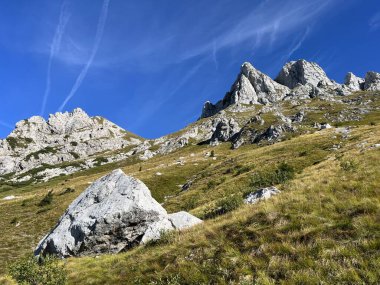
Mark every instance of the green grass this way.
pixel 323 227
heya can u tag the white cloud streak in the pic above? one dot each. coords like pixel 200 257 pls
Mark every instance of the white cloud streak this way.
pixel 374 22
pixel 98 38
pixel 54 49
pixel 266 24
pixel 6 125
pixel 299 43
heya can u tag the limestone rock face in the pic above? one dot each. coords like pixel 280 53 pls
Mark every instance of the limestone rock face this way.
pixel 183 220
pixel 62 138
pixel 302 72
pixel 372 81
pixel 224 131
pixel 114 214
pixel 266 88
pixel 353 82
pixel 261 194
pixel 251 87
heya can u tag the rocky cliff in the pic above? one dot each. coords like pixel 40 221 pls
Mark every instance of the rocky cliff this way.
pixel 63 138
pixel 297 80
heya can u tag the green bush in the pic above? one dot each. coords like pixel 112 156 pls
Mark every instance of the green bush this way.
pixel 36 154
pixel 224 206
pixel 66 191
pixel 349 165
pixel 74 143
pixel 37 271
pixel 281 174
pixel 100 160
pixel 75 155
pixel 47 200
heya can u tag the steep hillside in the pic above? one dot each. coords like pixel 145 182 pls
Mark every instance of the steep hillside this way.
pixel 318 145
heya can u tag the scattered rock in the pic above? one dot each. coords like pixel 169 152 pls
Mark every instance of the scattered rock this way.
pixel 183 220
pixel 262 194
pixel 11 197
pixel 325 126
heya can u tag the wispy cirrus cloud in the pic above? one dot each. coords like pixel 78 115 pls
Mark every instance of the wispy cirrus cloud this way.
pixel 264 26
pixel 98 38
pixel 267 24
pixel 298 43
pixel 54 49
pixel 374 22
pixel 6 125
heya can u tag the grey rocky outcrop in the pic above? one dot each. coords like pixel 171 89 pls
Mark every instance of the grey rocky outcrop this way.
pixel 353 82
pixel 302 72
pixel 372 81
pixel 297 80
pixel 64 137
pixel 224 131
pixel 114 214
pixel 251 87
pixel 261 194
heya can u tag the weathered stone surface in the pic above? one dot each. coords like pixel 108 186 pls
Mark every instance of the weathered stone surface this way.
pixel 353 82
pixel 115 213
pixel 183 220
pixel 302 72
pixel 372 81
pixel 261 194
pixel 251 87
pixel 62 138
pixel 224 131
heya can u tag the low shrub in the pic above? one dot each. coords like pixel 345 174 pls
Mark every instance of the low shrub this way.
pixel 279 175
pixel 224 206
pixel 66 191
pixel 47 199
pixel 35 271
pixel 349 165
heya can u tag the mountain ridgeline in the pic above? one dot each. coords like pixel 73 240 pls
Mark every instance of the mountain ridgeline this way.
pixel 38 150
pixel 277 183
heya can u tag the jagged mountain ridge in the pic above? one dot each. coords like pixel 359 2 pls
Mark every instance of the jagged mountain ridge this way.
pixel 70 142
pixel 64 137
pixel 297 80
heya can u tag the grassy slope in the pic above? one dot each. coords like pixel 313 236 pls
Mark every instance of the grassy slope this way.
pixel 324 226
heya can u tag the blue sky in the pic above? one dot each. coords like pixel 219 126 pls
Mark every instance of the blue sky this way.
pixel 149 65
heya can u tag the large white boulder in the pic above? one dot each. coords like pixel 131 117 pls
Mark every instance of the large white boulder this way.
pixel 114 214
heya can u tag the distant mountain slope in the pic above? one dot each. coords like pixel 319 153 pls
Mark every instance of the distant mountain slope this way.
pixel 63 138
pixel 255 110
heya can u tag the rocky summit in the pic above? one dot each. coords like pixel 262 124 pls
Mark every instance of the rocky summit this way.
pixel 64 137
pixel 297 80
pixel 114 214
pixel 38 149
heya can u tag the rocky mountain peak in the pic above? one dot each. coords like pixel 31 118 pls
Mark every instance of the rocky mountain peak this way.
pixel 354 82
pixel 62 138
pixel 302 72
pixel 251 87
